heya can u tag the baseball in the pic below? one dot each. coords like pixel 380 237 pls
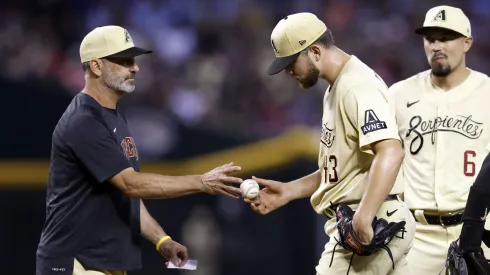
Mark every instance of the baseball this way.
pixel 250 189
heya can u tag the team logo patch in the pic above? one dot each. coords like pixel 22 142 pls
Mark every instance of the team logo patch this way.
pixel 372 122
pixel 127 37
pixel 129 148
pixel 328 135
pixel 440 16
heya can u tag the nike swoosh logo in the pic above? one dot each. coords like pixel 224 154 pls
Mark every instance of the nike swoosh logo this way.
pixel 409 104
pixel 390 213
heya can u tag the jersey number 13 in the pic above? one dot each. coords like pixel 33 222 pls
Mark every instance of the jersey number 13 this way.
pixel 330 169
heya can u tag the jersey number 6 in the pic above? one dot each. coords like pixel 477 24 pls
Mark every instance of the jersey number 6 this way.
pixel 469 166
pixel 332 172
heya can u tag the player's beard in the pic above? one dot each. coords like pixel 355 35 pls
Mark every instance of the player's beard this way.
pixel 311 77
pixel 117 83
pixel 440 69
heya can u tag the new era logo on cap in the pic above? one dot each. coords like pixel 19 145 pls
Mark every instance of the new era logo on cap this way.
pixel 293 34
pixel 446 17
pixel 274 46
pixel 109 41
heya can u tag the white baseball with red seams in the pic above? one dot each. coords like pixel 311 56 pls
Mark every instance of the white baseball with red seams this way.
pixel 250 189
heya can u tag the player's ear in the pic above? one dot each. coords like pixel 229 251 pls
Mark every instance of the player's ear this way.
pixel 314 52
pixel 96 66
pixel 468 41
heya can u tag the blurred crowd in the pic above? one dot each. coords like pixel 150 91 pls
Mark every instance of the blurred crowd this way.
pixel 210 56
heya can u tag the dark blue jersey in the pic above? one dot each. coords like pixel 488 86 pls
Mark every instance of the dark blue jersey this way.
pixel 87 217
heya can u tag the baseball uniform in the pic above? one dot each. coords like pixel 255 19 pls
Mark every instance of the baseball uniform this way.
pixel 356 114
pixel 445 142
pixel 79 269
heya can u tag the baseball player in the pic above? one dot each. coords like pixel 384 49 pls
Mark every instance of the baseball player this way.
pixel 94 214
pixel 465 255
pixel 360 152
pixel 443 118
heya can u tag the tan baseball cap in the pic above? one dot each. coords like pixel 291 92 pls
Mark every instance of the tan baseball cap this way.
pixel 291 35
pixel 109 41
pixel 446 17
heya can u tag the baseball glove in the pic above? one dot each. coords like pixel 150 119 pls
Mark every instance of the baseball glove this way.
pixel 459 262
pixel 383 233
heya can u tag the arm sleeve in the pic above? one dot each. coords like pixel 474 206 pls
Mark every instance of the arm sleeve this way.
pixel 95 146
pixel 369 111
pixel 476 210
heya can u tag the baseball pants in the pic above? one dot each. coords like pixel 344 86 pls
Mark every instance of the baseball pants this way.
pixel 78 269
pixel 67 266
pixel 430 246
pixel 379 263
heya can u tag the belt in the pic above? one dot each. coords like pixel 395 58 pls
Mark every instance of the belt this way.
pixel 330 211
pixel 444 220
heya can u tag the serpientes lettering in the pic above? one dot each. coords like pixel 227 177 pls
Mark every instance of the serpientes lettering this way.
pixel 463 125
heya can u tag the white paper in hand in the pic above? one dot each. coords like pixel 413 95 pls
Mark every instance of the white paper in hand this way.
pixel 190 265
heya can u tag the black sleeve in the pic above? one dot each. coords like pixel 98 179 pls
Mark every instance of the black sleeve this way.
pixel 476 210
pixel 95 146
pixel 482 181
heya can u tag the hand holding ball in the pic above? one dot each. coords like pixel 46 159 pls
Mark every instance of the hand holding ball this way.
pixel 250 189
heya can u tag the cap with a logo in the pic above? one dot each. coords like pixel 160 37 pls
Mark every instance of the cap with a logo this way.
pixel 446 17
pixel 109 41
pixel 291 35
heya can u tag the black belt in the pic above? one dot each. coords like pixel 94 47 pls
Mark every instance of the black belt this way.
pixel 330 211
pixel 444 220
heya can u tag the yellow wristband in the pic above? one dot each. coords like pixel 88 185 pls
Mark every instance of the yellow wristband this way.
pixel 161 241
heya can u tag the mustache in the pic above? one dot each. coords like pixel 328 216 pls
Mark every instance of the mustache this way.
pixel 438 55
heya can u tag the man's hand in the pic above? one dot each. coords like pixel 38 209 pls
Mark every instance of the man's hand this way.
pixel 460 262
pixel 363 228
pixel 270 198
pixel 217 181
pixel 174 252
pixel 350 240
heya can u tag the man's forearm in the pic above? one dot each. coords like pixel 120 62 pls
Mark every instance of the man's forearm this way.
pixel 382 176
pixel 147 185
pixel 476 210
pixel 304 187
pixel 150 229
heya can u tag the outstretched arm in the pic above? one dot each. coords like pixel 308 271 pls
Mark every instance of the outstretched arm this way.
pixel 98 151
pixel 277 194
pixel 303 187
pixel 147 185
